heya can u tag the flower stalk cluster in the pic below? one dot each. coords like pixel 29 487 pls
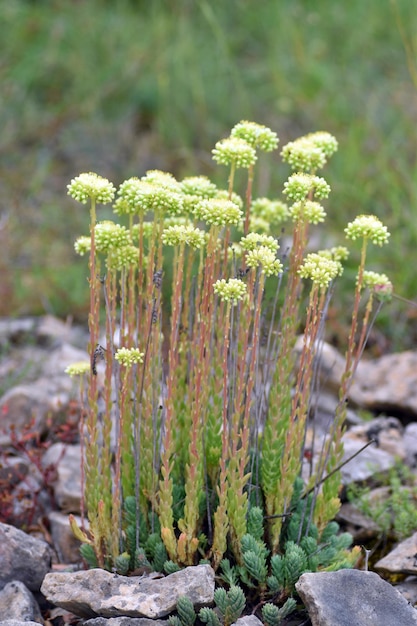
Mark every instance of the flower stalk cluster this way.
pixel 205 397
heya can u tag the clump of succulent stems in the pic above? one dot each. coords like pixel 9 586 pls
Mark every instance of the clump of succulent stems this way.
pixel 209 420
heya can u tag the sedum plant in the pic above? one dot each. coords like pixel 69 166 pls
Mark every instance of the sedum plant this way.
pixel 195 417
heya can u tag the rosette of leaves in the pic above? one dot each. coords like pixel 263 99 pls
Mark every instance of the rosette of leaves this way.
pixel 229 607
pixel 273 616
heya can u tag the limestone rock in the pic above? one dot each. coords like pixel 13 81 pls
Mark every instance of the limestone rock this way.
pixel 360 526
pixel 67 488
pixel 410 444
pixel 387 432
pixel 350 597
pixel 35 401
pixel 125 621
pixel 366 464
pixel 96 592
pixel 388 383
pixel 17 602
pixel 408 589
pixel 23 558
pixel 66 545
pixel 18 622
pixel 402 559
pixel 248 620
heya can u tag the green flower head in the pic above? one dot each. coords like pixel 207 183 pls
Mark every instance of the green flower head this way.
pixel 162 200
pixel 234 151
pixel 129 356
pixel 161 179
pixel 309 153
pixel 325 141
pixel 379 284
pixel 303 156
pixel 110 235
pixel 257 135
pixel 258 224
pixel 320 269
pixel 82 245
pixel 299 185
pixel 309 210
pixel 78 369
pixel 218 212
pixel 264 258
pixel 180 234
pixel 122 257
pixel 231 290
pixel 254 240
pixel 368 227
pixel 126 202
pixel 91 186
pixel 199 186
pixel 223 194
pixel 337 253
pixel 273 211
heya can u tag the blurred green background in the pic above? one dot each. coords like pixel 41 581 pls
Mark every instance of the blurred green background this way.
pixel 119 87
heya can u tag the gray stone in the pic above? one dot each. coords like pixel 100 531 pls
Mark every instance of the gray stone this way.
pixel 388 383
pixel 17 330
pixel 34 402
pixel 23 558
pixel 350 597
pixel 17 602
pixel 387 432
pixel 366 464
pixel 410 444
pixel 67 487
pixel 18 622
pixel 401 560
pixel 248 620
pixel 96 592
pixel 408 589
pixel 59 359
pixel 125 621
pixel 360 526
pixel 66 545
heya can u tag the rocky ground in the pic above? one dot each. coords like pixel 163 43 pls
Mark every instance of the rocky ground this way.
pixel 41 578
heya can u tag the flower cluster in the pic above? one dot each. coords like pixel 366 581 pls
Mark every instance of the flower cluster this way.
pixel 336 253
pixel 231 290
pixel 217 211
pixel 161 179
pixel 368 227
pixel 110 235
pixel 147 229
pixel 379 284
pixel 82 245
pixel 180 234
pixel 320 269
pixel 122 257
pixel 303 156
pixel 126 202
pixel 272 211
pixel 234 151
pixel 254 240
pixel 309 153
pixel 129 356
pixel 299 185
pixel 162 200
pixel 308 210
pixel 265 258
pixel 199 186
pixel 91 186
pixel 325 141
pixel 78 369
pixel 257 135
